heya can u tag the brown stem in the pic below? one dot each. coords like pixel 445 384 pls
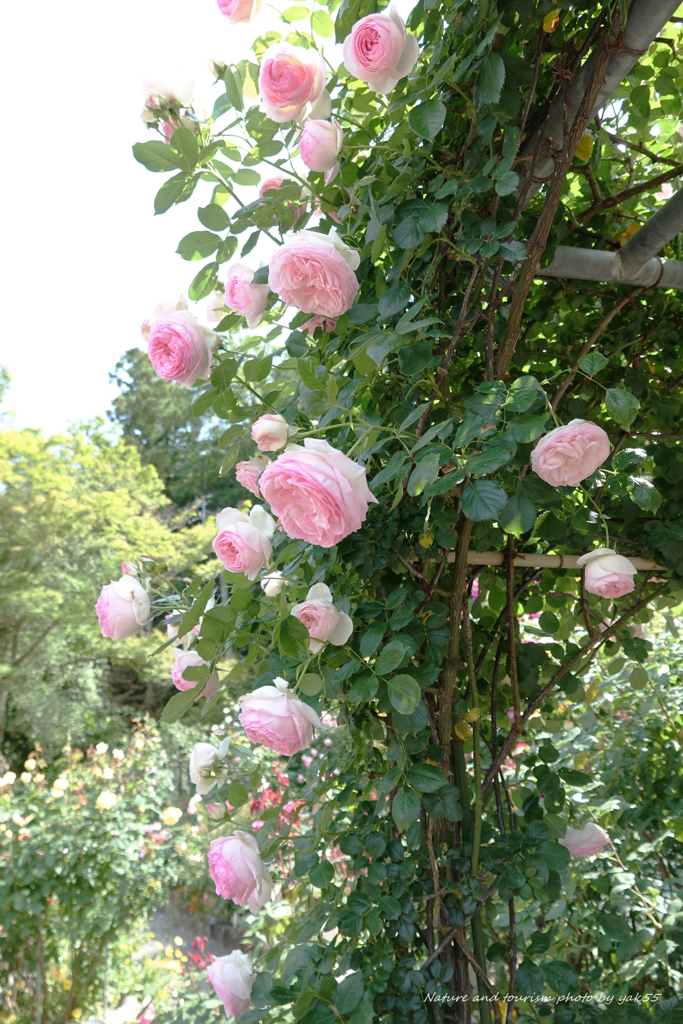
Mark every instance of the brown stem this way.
pixel 628 193
pixel 511 623
pixel 590 628
pixel 655 157
pixel 449 674
pixel 472 960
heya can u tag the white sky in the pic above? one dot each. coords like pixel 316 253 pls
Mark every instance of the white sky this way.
pixel 84 259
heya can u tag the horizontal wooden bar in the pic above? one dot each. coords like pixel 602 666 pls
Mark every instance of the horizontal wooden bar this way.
pixel 540 561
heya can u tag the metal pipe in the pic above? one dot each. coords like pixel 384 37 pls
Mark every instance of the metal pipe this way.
pixel 597 265
pixel 651 238
pixel 646 19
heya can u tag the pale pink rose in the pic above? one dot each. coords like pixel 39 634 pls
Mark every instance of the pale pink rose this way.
pixel 172 632
pixel 315 273
pixel 272 584
pixel 215 307
pixel 319 494
pixel 162 96
pixel 250 300
pixel 232 977
pixel 161 312
pixel 216 811
pixel 319 321
pixel 271 183
pixel 379 51
pixel 320 145
pixel 665 192
pixel 272 716
pixel 291 83
pixel 185 659
pixel 238 872
pixel 607 574
pixel 584 842
pixel 270 431
pixel 324 622
pixel 243 542
pixel 148 1014
pixel 178 349
pixel 240 11
pixel 247 473
pixel 204 756
pixel 122 608
pixel 128 569
pixel 567 455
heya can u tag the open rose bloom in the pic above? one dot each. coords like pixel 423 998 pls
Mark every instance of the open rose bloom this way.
pixel 232 977
pixel 185 659
pixel 273 717
pixel 315 273
pixel 243 542
pixel 161 311
pixel 320 145
pixel 240 12
pixel 318 493
pixel 584 842
pixel 247 473
pixel 380 52
pixel 250 300
pixel 238 871
pixel 324 622
pixel 178 349
pixel 607 574
pixel 291 84
pixel 122 608
pixel 567 455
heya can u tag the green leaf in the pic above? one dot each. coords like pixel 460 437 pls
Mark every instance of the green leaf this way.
pixel 204 282
pixel 518 516
pixel 322 24
pixel 390 657
pixel 293 637
pixel 261 276
pixel 372 638
pixel 483 499
pixel 295 14
pixel 425 471
pixel 494 454
pixel 184 142
pixel 529 978
pixel 321 875
pixel 221 375
pixel 308 377
pixel 426 778
pixel 593 363
pixel 435 217
pixel 513 251
pixel 405 810
pixel 237 794
pixel 573 777
pixel 644 494
pixel 628 457
pixel 179 704
pixel 177 189
pixel 363 689
pixel 394 300
pixel 622 406
pixel 426 119
pixel 310 684
pixel 526 428
pixel 408 233
pixel 490 81
pixel 198 245
pixel 246 176
pixel 414 358
pixel 349 993
pixel 156 156
pixel 524 392
pixel 404 694
pixel 561 977
pixel 256 370
pixel 213 217
pixel 507 183
pixel 233 87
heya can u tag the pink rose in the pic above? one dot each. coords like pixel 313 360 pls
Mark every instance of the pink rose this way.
pixel 240 11
pixel 584 842
pixel 379 51
pixel 319 321
pixel 186 659
pixel 122 608
pixel 324 622
pixel 271 183
pixel 270 431
pixel 232 977
pixel 243 542
pixel 178 349
pixel 250 300
pixel 291 83
pixel 607 574
pixel 320 145
pixel 272 584
pixel 271 716
pixel 319 494
pixel 247 473
pixel 148 1014
pixel 204 757
pixel 315 273
pixel 161 312
pixel 215 307
pixel 665 192
pixel 567 455
pixel 238 871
